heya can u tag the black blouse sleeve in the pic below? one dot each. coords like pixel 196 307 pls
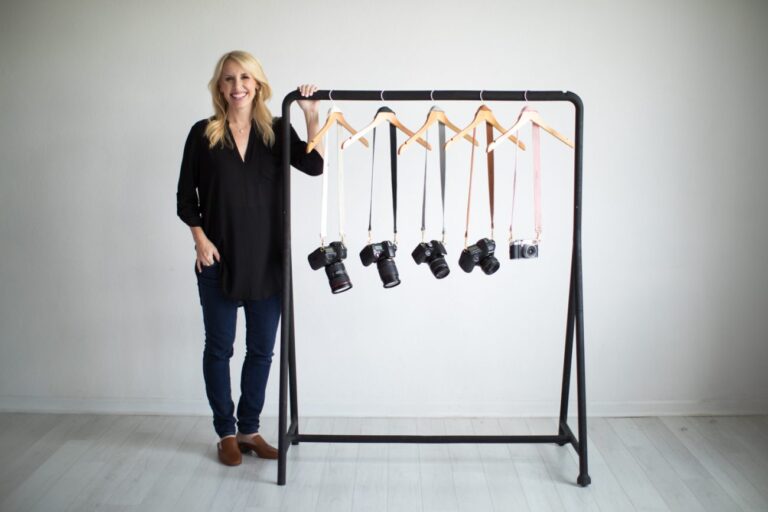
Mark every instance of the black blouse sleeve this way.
pixel 310 163
pixel 187 202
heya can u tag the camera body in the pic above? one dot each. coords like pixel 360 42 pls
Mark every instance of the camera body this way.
pixel 433 253
pixel 330 257
pixel 382 254
pixel 480 254
pixel 523 249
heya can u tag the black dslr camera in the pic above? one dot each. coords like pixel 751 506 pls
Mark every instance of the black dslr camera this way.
pixel 480 254
pixel 432 252
pixel 330 257
pixel 523 249
pixel 382 254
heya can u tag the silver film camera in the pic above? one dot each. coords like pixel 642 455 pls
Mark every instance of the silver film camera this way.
pixel 523 249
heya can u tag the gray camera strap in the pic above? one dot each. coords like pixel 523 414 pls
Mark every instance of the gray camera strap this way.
pixel 393 168
pixel 324 194
pixel 490 162
pixel 441 133
pixel 536 140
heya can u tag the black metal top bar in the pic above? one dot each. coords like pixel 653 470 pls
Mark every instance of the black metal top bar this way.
pixel 400 95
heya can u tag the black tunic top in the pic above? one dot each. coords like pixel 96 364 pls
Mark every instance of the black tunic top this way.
pixel 238 204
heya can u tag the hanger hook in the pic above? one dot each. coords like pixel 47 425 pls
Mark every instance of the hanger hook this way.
pixel 330 95
pixel 525 95
pixel 431 95
pixel 382 95
pixel 481 95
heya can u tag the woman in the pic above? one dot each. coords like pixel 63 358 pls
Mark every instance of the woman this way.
pixel 230 194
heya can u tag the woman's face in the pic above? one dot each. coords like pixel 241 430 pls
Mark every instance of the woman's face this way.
pixel 237 86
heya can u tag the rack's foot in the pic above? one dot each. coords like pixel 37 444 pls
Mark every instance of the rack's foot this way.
pixel 294 443
pixel 584 480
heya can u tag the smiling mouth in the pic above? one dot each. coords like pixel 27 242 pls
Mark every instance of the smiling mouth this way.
pixel 238 96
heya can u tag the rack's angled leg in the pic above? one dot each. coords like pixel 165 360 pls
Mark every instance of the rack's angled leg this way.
pixel 282 441
pixel 567 362
pixel 292 373
pixel 282 428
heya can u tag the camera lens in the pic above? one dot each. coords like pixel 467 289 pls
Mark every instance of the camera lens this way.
pixel 439 267
pixel 489 264
pixel 530 251
pixel 337 277
pixel 388 272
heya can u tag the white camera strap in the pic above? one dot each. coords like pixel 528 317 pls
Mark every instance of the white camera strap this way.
pixel 324 194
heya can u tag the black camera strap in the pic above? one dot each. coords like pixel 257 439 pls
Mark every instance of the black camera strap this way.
pixel 490 164
pixel 441 133
pixel 393 168
pixel 324 194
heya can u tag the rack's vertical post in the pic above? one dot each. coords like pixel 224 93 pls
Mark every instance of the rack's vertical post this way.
pixel 286 321
pixel 583 478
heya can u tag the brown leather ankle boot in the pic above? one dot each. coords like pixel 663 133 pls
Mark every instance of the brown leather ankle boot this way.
pixel 229 453
pixel 256 443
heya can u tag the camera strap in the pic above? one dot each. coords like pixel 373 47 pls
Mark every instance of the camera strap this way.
pixel 490 164
pixel 324 194
pixel 536 140
pixel 441 133
pixel 393 169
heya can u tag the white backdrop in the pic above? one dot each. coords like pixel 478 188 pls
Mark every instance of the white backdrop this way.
pixel 98 303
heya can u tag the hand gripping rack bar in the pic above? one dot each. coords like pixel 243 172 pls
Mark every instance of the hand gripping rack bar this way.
pixel 289 434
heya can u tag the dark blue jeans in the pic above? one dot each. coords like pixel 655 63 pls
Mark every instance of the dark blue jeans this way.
pixel 220 319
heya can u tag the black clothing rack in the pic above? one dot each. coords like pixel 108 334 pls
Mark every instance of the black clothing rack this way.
pixel 289 434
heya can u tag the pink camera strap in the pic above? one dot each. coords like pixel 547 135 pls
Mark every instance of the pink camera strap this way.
pixel 536 139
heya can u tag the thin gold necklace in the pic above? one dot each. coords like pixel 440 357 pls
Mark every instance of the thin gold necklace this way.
pixel 239 130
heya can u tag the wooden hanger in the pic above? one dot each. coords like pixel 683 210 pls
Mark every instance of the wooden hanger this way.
pixel 483 114
pixel 383 114
pixel 335 116
pixel 435 114
pixel 528 114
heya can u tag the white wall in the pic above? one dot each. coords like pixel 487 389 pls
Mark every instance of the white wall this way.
pixel 98 302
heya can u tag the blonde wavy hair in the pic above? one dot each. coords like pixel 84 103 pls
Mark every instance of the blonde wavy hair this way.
pixel 216 131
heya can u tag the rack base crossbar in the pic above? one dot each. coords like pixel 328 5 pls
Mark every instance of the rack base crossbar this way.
pixel 435 439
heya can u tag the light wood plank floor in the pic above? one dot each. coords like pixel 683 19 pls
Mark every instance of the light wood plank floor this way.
pixel 60 462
